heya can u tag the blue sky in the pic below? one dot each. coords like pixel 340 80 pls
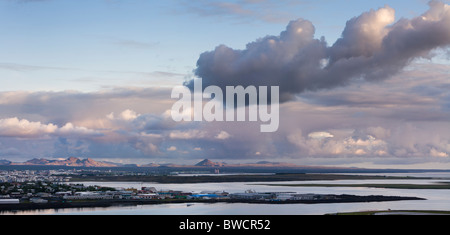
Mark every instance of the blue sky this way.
pixel 89 45
pixel 92 78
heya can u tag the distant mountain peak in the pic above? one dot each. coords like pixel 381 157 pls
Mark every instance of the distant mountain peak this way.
pixel 89 162
pixel 207 162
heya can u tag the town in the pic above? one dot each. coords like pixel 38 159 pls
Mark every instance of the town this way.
pixel 57 192
pixel 43 186
pixel 17 176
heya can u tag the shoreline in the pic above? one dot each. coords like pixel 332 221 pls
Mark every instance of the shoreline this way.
pixel 395 212
pixel 132 202
pixel 438 185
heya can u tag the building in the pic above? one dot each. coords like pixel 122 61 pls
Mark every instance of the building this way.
pixel 149 189
pixel 147 196
pixel 61 194
pixel 38 200
pixel 204 196
pixel 88 196
pixel 252 195
pixel 9 201
pixel 173 194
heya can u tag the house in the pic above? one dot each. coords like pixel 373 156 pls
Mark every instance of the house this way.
pixel 38 200
pixel 147 196
pixel 149 189
pixel 87 196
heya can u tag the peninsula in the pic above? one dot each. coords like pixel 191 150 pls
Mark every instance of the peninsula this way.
pixel 48 195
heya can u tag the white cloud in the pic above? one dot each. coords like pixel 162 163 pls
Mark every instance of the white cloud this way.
pixel 345 144
pixel 126 115
pixel 14 127
pixel 436 153
pixel 190 134
pixel 198 134
pixel 320 135
pixel 70 129
pixel 379 132
pixel 172 148
pixel 223 135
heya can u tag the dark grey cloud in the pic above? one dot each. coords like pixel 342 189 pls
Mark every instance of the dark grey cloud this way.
pixel 372 48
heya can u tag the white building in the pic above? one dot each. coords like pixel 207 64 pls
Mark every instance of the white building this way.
pixel 147 196
pixel 87 196
pixel 308 196
pixel 9 201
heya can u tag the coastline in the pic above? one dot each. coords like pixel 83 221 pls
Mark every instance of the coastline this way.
pixel 133 202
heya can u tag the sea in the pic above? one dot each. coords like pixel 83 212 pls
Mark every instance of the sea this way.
pixel 436 199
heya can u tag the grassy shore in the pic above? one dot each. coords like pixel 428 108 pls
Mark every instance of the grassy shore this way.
pixel 442 185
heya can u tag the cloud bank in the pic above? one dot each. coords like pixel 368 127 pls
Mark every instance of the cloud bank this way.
pixel 403 120
pixel 373 47
pixel 22 128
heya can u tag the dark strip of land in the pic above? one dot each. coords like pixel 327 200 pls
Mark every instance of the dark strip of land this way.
pixel 396 212
pixel 130 202
pixel 169 179
pixel 442 185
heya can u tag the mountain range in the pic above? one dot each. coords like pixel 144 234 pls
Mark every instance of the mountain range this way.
pixel 89 162
pixel 71 161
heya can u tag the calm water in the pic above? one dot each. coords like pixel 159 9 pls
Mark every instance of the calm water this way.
pixel 436 199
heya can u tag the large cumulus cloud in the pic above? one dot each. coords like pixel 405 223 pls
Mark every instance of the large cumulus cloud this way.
pixel 372 47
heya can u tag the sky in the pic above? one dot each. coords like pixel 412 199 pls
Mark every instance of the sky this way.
pixel 362 83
